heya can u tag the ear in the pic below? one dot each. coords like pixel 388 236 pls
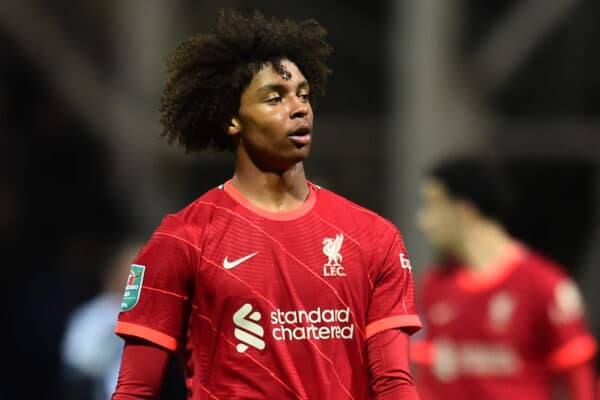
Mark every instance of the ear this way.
pixel 234 126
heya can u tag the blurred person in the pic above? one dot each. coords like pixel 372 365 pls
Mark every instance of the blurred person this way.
pixel 501 320
pixel 91 352
pixel 269 286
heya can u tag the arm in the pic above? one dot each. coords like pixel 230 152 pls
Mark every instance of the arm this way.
pixel 153 310
pixel 389 371
pixel 580 381
pixel 143 367
pixel 573 347
pixel 391 318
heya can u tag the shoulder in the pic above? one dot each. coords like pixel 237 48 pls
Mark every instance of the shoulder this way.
pixel 558 292
pixel 207 203
pixel 187 226
pixel 195 213
pixel 547 276
pixel 333 205
pixel 541 269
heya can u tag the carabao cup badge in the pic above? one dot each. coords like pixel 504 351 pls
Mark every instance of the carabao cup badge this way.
pixel 133 287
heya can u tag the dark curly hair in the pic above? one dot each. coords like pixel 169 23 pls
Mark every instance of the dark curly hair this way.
pixel 209 72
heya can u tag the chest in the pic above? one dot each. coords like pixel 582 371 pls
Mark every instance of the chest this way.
pixel 284 266
pixel 497 315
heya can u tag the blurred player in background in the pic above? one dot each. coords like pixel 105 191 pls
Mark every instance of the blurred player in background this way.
pixel 269 286
pixel 501 321
pixel 91 352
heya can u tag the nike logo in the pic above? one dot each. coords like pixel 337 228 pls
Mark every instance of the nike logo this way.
pixel 232 264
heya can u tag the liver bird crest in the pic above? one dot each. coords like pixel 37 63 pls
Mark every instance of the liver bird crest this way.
pixel 331 248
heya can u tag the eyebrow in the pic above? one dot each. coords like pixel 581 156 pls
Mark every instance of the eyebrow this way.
pixel 278 87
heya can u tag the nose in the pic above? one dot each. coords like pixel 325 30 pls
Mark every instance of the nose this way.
pixel 299 108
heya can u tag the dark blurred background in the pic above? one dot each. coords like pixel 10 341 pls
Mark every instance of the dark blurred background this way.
pixel 414 82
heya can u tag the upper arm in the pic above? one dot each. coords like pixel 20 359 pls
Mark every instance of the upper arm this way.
pixel 393 298
pixel 569 341
pixel 158 290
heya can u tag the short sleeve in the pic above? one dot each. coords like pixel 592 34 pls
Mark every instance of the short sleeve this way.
pixel 393 299
pixel 569 340
pixel 157 291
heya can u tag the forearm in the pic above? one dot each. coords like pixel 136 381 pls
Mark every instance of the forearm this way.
pixel 143 367
pixel 389 369
pixel 580 381
pixel 398 393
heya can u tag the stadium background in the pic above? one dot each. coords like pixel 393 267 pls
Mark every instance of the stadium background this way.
pixel 414 82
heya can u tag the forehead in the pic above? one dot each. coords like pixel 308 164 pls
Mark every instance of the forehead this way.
pixel 268 76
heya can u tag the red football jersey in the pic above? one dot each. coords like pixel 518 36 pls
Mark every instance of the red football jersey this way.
pixel 499 336
pixel 271 305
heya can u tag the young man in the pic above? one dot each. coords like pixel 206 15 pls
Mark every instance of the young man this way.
pixel 501 321
pixel 269 286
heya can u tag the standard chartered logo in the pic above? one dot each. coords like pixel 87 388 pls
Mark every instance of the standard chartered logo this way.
pixel 247 330
pixel 316 324
pixel 319 323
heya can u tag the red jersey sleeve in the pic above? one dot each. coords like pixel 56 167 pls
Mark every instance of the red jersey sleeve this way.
pixel 393 299
pixel 143 367
pixel 158 288
pixel 389 368
pixel 568 338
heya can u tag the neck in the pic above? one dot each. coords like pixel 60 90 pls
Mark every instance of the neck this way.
pixel 483 244
pixel 272 191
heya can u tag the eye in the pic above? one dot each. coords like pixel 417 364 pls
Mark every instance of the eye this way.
pixel 274 100
pixel 304 96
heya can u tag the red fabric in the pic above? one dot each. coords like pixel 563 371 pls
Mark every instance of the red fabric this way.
pixel 143 367
pixel 389 367
pixel 272 307
pixel 504 339
pixel 581 382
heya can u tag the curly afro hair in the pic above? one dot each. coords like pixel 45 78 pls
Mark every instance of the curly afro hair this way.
pixel 209 72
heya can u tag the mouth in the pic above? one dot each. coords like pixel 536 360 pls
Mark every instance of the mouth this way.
pixel 301 136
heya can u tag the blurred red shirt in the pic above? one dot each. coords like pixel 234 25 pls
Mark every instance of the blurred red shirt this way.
pixel 499 335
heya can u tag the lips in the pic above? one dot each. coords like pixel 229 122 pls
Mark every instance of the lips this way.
pixel 302 135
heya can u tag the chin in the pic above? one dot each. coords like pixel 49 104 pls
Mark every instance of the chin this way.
pixel 300 154
pixel 303 148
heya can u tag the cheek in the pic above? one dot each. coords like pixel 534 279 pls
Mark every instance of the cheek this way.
pixel 268 120
pixel 428 220
pixel 437 223
pixel 310 111
pixel 260 126
pixel 276 119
